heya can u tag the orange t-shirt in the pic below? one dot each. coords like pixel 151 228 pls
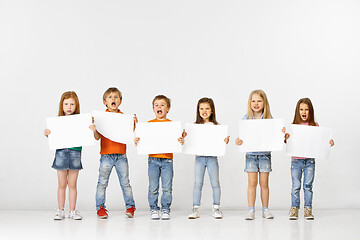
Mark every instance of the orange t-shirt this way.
pixel 161 155
pixel 110 147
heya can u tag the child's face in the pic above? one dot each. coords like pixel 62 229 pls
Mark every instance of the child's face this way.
pixel 304 112
pixel 69 106
pixel 112 102
pixel 160 109
pixel 205 111
pixel 257 103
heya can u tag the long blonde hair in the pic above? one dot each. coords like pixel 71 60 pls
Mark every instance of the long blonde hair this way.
pixel 67 95
pixel 266 111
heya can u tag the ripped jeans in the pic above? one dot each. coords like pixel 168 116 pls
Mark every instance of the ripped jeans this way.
pixel 120 162
pixel 299 166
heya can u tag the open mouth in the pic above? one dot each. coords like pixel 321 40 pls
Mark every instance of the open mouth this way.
pixel 113 104
pixel 159 111
pixel 303 116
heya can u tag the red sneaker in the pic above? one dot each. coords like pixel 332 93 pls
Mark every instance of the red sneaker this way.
pixel 102 212
pixel 130 212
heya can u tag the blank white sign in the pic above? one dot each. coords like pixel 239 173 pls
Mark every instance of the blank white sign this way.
pixel 70 131
pixel 308 141
pixel 259 135
pixel 115 126
pixel 158 137
pixel 205 140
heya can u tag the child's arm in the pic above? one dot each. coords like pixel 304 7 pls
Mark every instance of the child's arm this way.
pixel 135 121
pixel 92 127
pixel 47 132
pixel 238 141
pixel 331 142
pixel 226 140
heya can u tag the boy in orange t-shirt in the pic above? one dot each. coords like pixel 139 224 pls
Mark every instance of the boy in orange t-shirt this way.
pixel 160 166
pixel 113 154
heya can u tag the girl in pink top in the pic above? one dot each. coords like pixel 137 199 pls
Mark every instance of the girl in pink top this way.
pixel 304 115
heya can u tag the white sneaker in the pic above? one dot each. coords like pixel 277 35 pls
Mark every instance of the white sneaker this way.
pixel 267 214
pixel 165 215
pixel 154 215
pixel 251 215
pixel 74 215
pixel 217 214
pixel 195 213
pixel 59 215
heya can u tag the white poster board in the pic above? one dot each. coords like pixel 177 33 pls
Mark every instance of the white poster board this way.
pixel 205 140
pixel 70 131
pixel 115 126
pixel 308 141
pixel 158 137
pixel 260 135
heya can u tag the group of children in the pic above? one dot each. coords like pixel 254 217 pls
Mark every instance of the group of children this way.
pixel 67 162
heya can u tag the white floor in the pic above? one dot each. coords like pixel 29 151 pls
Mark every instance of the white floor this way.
pixel 328 224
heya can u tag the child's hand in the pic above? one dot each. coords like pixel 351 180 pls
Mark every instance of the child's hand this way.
pixel 286 137
pixel 331 142
pixel 238 141
pixel 283 130
pixel 92 127
pixel 136 140
pixel 47 132
pixel 181 140
pixel 226 140
pixel 184 134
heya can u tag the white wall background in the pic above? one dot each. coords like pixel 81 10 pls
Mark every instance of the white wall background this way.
pixel 185 50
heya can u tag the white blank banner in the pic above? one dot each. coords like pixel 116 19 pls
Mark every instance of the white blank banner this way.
pixel 158 137
pixel 308 141
pixel 115 126
pixel 70 131
pixel 259 135
pixel 205 140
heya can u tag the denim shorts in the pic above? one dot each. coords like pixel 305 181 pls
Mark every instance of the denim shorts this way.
pixel 258 163
pixel 67 159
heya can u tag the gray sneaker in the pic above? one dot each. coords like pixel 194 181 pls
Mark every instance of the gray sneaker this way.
pixel 308 214
pixel 195 213
pixel 154 215
pixel 165 215
pixel 59 215
pixel 293 213
pixel 251 215
pixel 217 214
pixel 75 215
pixel 267 214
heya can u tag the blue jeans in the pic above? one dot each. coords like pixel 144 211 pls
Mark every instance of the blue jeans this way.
pixel 107 162
pixel 160 168
pixel 201 162
pixel 298 166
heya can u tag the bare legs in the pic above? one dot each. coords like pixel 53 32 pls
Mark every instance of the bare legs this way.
pixel 67 178
pixel 264 188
